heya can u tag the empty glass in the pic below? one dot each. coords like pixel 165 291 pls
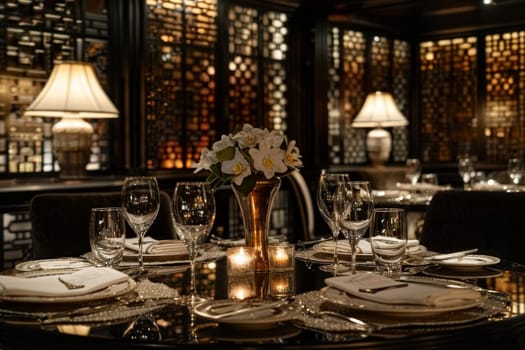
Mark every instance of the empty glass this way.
pixel 515 170
pixel 466 170
pixel 194 215
pixel 388 239
pixel 107 234
pixel 140 204
pixel 413 170
pixel 353 206
pixel 326 192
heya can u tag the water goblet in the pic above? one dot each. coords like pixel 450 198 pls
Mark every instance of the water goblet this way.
pixel 194 215
pixel 326 191
pixel 140 201
pixel 353 207
pixel 466 170
pixel 107 235
pixel 388 239
pixel 413 170
pixel 515 171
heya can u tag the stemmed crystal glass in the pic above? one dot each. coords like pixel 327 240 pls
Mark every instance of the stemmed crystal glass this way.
pixel 466 170
pixel 326 191
pixel 140 201
pixel 515 170
pixel 413 170
pixel 194 215
pixel 353 208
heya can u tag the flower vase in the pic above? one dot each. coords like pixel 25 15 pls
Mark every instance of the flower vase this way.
pixel 256 208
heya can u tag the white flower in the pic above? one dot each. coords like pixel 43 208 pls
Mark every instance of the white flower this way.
pixel 238 166
pixel 291 157
pixel 208 158
pixel 249 136
pixel 225 142
pixel 268 159
pixel 274 139
pixel 249 153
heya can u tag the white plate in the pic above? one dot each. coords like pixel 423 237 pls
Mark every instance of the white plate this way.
pixel 53 264
pixel 108 292
pixel 257 319
pixel 345 300
pixel 469 262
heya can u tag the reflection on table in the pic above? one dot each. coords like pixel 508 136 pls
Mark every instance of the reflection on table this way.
pixel 152 317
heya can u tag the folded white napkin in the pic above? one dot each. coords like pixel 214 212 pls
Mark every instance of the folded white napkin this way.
pixel 414 294
pixel 162 247
pixel 87 280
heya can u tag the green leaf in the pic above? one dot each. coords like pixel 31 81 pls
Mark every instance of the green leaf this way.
pixel 247 185
pixel 226 154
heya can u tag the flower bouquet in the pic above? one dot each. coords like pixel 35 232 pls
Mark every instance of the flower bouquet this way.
pixel 249 153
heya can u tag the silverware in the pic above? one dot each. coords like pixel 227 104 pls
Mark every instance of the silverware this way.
pixel 446 256
pixel 432 283
pixel 357 324
pixel 378 289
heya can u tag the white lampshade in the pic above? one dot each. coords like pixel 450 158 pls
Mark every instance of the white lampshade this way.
pixel 72 91
pixel 379 110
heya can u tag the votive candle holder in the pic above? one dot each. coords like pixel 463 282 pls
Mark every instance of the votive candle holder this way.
pixel 240 260
pixel 281 257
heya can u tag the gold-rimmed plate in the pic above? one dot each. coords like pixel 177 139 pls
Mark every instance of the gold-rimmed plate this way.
pixel 258 318
pixel 70 263
pixel 111 291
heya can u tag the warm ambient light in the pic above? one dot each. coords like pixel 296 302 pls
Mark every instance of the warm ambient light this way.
pixel 72 93
pixel 379 111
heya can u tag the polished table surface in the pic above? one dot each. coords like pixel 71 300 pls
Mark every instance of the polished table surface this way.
pixel 176 326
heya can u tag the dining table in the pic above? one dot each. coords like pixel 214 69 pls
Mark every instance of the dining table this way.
pixel 294 309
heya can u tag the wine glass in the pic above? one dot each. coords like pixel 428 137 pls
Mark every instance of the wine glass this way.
pixel 194 215
pixel 515 170
pixel 413 170
pixel 326 191
pixel 353 208
pixel 140 201
pixel 466 170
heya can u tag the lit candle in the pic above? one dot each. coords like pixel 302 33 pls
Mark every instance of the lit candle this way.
pixel 240 260
pixel 281 256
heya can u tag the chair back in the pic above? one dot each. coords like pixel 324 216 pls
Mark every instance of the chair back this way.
pixel 491 221
pixel 60 221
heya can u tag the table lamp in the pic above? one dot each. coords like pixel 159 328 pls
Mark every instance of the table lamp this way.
pixel 72 93
pixel 379 111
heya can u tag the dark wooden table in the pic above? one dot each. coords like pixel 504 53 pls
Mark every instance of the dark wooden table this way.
pixel 181 329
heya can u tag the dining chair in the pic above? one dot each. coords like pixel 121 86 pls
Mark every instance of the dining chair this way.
pixel 491 221
pixel 60 221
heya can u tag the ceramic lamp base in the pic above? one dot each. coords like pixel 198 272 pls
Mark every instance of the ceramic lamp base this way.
pixel 379 145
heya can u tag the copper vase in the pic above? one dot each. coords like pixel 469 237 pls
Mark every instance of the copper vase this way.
pixel 256 208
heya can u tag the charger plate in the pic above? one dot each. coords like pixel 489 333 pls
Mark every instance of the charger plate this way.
pixel 340 298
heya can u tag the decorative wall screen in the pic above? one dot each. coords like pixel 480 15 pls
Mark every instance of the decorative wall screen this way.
pixel 448 80
pixel 181 81
pixel 504 124
pixel 33 36
pixel 355 62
